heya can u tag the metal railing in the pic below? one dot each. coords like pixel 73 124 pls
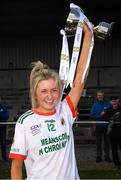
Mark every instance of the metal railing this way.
pixel 75 122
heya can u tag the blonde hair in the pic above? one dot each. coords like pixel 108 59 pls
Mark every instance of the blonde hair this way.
pixel 41 72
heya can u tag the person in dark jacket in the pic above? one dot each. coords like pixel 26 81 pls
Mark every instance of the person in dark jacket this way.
pixel 4 116
pixel 113 116
pixel 97 111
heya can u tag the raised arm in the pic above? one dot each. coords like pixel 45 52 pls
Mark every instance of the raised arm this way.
pixel 77 89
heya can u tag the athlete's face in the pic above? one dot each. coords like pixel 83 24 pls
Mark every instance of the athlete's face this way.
pixel 47 95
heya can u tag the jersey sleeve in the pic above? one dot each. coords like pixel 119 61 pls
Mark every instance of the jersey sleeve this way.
pixel 69 110
pixel 70 104
pixel 18 148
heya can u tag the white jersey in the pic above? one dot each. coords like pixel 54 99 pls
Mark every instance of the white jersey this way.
pixel 45 141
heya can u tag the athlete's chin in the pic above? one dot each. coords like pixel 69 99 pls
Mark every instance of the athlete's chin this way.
pixel 50 107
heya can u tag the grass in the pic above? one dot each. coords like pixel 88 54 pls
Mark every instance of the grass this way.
pixel 88 168
pixel 84 174
pixel 4 171
pixel 100 174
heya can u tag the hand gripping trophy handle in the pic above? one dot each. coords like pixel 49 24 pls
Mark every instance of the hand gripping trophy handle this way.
pixel 101 31
pixel 74 27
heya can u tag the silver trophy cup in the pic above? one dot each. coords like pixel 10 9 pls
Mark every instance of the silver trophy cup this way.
pixel 101 31
pixel 72 20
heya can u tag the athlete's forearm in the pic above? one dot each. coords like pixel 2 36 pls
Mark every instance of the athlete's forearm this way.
pixel 83 55
pixel 78 84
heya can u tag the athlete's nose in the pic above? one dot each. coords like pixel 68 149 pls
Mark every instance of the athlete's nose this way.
pixel 49 94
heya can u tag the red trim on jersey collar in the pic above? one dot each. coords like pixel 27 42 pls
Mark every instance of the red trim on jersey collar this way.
pixel 74 111
pixel 43 113
pixel 17 156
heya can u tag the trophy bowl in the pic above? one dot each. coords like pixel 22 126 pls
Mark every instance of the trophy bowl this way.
pixel 72 20
pixel 103 30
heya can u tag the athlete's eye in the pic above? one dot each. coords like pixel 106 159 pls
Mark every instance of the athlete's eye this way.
pixel 43 91
pixel 55 90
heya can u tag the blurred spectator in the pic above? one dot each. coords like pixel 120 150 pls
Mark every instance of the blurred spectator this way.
pixel 4 116
pixel 97 111
pixel 113 115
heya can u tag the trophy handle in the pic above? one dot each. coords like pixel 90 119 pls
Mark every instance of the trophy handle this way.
pixel 103 30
